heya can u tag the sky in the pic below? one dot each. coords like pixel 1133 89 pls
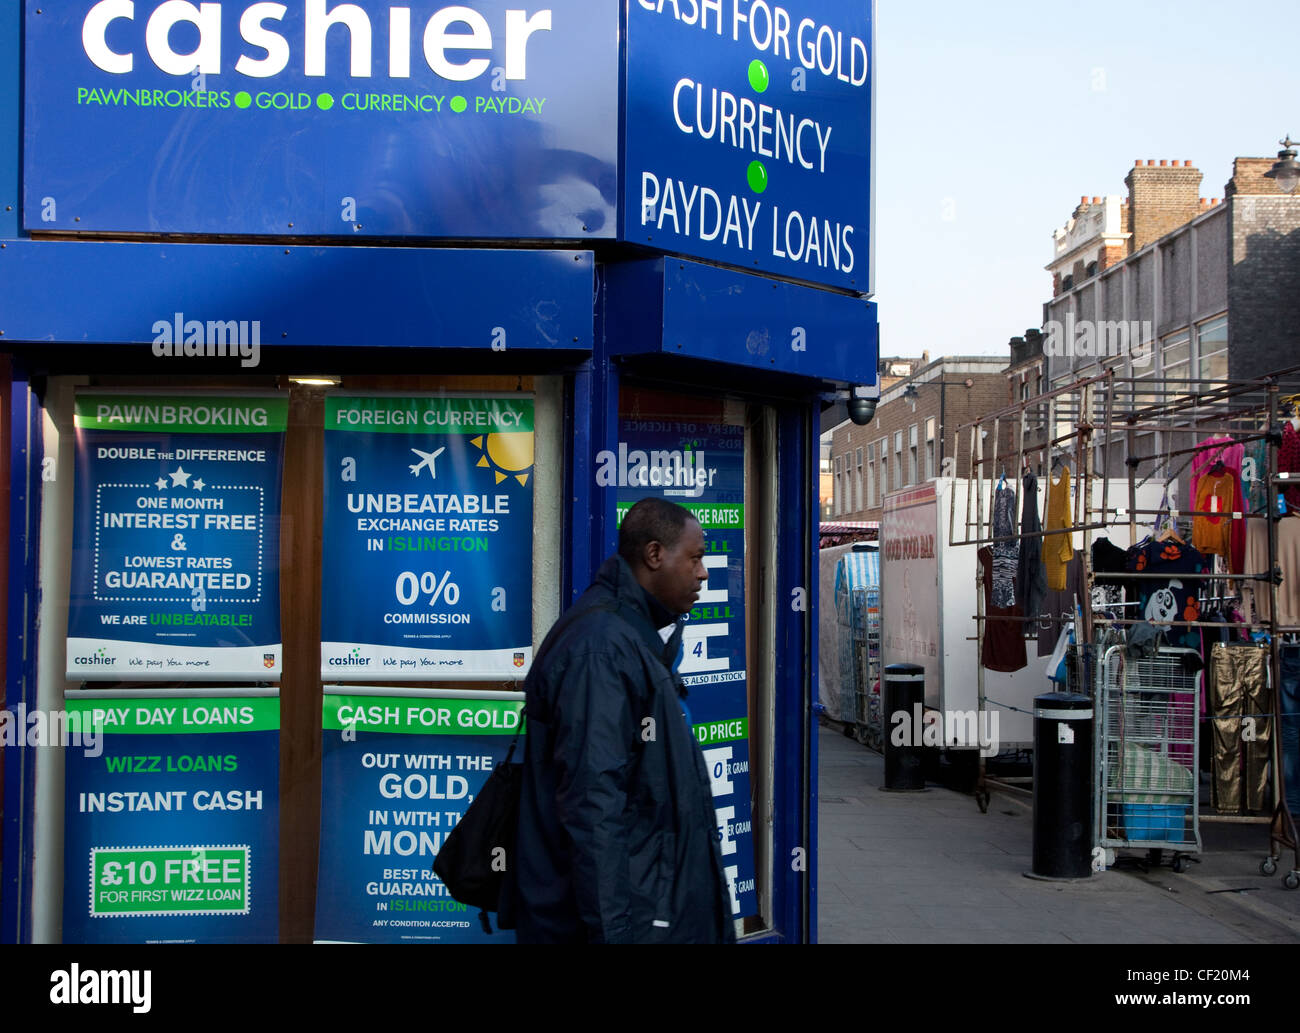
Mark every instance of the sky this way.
pixel 992 120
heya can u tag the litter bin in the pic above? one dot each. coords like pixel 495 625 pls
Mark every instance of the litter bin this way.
pixel 1063 725
pixel 903 693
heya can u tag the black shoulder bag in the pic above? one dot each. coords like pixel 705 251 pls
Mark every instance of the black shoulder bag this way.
pixel 473 858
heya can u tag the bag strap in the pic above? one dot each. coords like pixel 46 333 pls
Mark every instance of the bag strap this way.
pixel 618 608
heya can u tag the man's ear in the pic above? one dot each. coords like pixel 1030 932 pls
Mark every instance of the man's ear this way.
pixel 653 555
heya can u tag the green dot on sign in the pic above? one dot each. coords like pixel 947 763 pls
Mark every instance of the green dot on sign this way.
pixel 459 104
pixel 242 99
pixel 325 101
pixel 758 77
pixel 757 176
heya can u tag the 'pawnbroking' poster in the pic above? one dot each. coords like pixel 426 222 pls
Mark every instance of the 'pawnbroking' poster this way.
pixel 176 545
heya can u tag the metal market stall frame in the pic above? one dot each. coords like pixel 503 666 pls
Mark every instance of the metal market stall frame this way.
pixel 1152 429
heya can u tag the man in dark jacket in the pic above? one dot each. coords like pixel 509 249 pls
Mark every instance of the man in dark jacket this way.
pixel 617 839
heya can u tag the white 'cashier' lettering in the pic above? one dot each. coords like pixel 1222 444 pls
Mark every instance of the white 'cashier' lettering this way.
pixel 472 32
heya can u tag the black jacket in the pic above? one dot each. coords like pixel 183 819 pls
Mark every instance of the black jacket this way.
pixel 617 839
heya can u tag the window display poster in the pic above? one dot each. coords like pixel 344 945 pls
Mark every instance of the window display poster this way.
pixel 427 563
pixel 399 770
pixel 176 540
pixel 171 819
pixel 702 467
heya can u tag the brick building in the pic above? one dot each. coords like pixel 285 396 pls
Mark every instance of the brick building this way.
pixel 1104 231
pixel 914 431
pixel 1206 290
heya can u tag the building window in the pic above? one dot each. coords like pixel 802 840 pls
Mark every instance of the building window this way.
pixel 929 449
pixel 913 473
pixel 857 483
pixel 871 477
pixel 899 475
pixel 884 468
pixel 838 487
pixel 1176 357
pixel 1212 349
pixel 1091 270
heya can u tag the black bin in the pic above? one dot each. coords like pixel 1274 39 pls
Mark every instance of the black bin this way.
pixel 903 692
pixel 1063 761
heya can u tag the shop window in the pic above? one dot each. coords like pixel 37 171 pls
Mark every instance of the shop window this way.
pixel 521 545
pixel 722 665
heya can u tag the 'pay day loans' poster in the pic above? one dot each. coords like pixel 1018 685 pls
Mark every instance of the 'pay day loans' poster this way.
pixel 176 560
pixel 171 818
pixel 428 541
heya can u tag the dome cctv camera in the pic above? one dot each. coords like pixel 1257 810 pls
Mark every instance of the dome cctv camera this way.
pixel 862 407
pixel 862 411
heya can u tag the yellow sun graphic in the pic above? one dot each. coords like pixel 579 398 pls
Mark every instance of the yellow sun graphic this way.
pixel 506 454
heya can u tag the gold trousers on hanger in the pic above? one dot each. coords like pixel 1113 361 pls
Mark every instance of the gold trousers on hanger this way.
pixel 1240 702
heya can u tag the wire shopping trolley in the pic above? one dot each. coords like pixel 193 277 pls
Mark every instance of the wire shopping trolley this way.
pixel 1147 743
pixel 866 664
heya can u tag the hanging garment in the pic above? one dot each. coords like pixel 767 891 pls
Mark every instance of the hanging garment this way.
pixel 1174 599
pixel 1220 493
pixel 1288 461
pixel 1290 699
pixel 1006 555
pixel 1031 581
pixel 1058 608
pixel 1238 690
pixel 1058 549
pixel 1257 485
pixel 1004 640
pixel 1107 559
pixel 1230 454
pixel 1288 558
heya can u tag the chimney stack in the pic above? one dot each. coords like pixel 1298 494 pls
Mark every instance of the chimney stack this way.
pixel 1161 198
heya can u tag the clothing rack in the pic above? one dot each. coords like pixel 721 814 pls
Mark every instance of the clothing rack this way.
pixel 1094 421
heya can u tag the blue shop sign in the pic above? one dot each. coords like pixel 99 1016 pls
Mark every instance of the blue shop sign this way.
pixel 748 135
pixel 483 120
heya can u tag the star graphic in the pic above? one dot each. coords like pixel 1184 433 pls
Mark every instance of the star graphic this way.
pixel 179 476
pixel 198 484
pixel 161 482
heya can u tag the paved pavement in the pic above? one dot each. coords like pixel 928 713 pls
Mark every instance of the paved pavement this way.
pixel 930 868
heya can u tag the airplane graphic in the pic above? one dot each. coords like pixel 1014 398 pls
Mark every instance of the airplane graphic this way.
pixel 426 460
